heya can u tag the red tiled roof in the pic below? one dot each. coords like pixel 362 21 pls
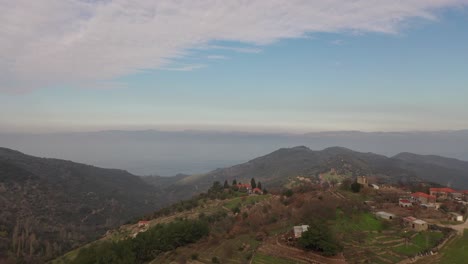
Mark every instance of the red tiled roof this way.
pixel 447 190
pixel 404 201
pixel 257 190
pixel 247 186
pixel 421 194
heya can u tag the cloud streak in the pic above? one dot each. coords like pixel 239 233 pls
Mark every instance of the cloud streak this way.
pixel 56 42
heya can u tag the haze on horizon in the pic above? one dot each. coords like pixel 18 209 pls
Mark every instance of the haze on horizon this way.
pixel 256 66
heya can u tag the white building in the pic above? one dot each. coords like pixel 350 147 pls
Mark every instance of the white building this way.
pixel 456 217
pixel 298 230
pixel 385 215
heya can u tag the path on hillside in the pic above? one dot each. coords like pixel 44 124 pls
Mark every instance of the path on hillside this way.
pixel 460 228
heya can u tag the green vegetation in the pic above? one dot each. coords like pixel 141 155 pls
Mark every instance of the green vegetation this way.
pixel 357 222
pixel 320 238
pixel 288 193
pixel 456 251
pixel 145 246
pixel 245 200
pixel 333 177
pixel 253 184
pixel 265 259
pixel 420 242
pixel 216 191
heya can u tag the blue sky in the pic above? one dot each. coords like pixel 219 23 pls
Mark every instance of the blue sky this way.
pixel 406 75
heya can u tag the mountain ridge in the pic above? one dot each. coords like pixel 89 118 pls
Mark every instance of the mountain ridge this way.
pixel 50 206
pixel 278 165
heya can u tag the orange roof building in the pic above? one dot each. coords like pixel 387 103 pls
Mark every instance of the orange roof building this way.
pixel 423 197
pixel 442 193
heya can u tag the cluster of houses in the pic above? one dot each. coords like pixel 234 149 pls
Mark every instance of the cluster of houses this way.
pixel 448 193
pixel 249 189
pixel 424 200
pixel 430 200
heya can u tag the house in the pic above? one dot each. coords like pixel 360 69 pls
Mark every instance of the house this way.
pixel 415 224
pixel 404 203
pixel 441 193
pixel 423 198
pixel 257 191
pixel 385 215
pixel 419 225
pixel 143 224
pixel 362 180
pixel 455 217
pixel 431 205
pixel 298 230
pixel 246 187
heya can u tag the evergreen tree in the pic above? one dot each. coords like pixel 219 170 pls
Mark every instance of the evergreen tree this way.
pixel 259 185
pixel 253 184
pixel 320 238
pixel 234 182
pixel 226 184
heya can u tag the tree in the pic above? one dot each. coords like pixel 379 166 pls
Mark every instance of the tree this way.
pixel 234 182
pixel 259 185
pixel 288 193
pixel 355 187
pixel 226 184
pixel 319 237
pixel 253 184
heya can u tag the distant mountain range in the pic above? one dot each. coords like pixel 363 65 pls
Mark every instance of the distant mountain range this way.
pixel 168 153
pixel 277 167
pixel 50 206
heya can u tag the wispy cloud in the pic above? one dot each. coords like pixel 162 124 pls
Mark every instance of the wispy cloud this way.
pixel 216 57
pixel 337 42
pixel 185 67
pixel 44 43
pixel 235 49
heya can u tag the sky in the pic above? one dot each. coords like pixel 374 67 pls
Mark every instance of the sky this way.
pixel 258 65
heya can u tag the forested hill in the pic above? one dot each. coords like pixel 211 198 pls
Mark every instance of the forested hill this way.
pixel 279 166
pixel 49 206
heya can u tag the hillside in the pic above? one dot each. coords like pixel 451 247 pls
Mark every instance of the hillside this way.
pixel 278 167
pixel 49 206
pixel 445 171
pixel 237 227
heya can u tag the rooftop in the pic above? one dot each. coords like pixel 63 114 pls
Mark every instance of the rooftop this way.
pixel 447 190
pixel 421 194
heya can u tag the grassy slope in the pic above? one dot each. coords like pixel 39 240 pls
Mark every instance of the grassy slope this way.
pixel 456 251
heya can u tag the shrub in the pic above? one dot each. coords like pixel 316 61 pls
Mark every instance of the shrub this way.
pixel 288 193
